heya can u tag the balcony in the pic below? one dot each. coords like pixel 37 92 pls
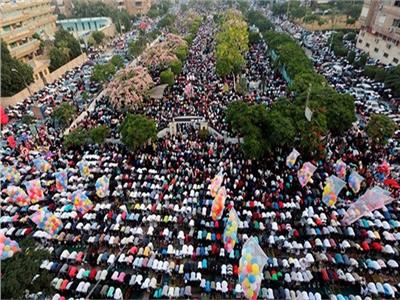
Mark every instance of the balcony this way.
pixel 25 49
pixel 16 34
pixel 12 18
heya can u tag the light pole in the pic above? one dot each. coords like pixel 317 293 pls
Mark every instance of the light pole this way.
pixel 23 78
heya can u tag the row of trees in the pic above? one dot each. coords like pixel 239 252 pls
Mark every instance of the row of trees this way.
pixel 15 74
pixel 82 136
pixel 390 76
pixel 88 9
pixel 66 48
pixel 232 44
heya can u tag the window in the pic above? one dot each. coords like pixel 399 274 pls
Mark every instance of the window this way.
pixel 360 41
pixel 397 3
pixel 367 45
pixel 90 27
pixel 376 50
pixel 83 26
pixel 396 23
pixel 395 60
pixel 138 3
pixel 388 46
pixel 385 55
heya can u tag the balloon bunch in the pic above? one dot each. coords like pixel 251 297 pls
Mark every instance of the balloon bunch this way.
pixel 83 168
pixel 11 174
pixel 292 157
pixel 251 265
pixel 7 247
pixel 305 173
pixel 230 232
pixel 340 169
pixel 41 165
pixel 102 186
pixel 216 184
pixel 218 204
pixel 81 202
pixel 333 186
pixel 17 195
pixel 354 181
pixel 46 221
pixel 34 190
pixel 61 181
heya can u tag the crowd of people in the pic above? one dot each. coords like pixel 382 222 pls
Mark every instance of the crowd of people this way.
pixel 153 235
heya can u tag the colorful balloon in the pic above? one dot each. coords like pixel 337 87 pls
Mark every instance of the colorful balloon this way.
pixel 83 168
pixel 340 168
pixel 354 181
pixel 18 195
pixel 216 184
pixel 61 181
pixel 251 265
pixel 8 247
pixel 81 202
pixel 10 174
pixel 34 190
pixel 305 173
pixel 292 157
pixel 333 186
pixel 218 204
pixel 102 186
pixel 230 232
pixel 47 221
pixel 41 165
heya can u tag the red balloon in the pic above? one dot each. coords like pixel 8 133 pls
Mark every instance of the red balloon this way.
pixel 3 116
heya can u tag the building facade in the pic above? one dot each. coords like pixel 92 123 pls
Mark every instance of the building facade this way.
pixel 63 7
pixel 20 21
pixel 133 7
pixel 380 30
pixel 83 27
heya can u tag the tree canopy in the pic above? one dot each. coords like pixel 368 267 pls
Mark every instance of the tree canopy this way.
pixel 232 44
pixel 167 77
pixel 13 82
pixel 103 72
pixel 136 130
pixel 380 128
pixel 98 36
pixel 64 114
pixel 64 39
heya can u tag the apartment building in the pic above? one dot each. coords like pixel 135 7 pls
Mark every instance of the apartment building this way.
pixel 380 30
pixel 63 7
pixel 133 7
pixel 19 22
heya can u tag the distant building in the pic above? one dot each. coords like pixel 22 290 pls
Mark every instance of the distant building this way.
pixel 19 21
pixel 380 30
pixel 133 7
pixel 83 27
pixel 63 7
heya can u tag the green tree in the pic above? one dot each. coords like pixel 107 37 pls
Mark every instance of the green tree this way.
pixel 76 138
pixel 182 52
pixel 176 66
pixel 137 47
pixel 103 72
pixel 351 56
pixel 117 61
pixel 380 128
pixel 58 57
pixel 303 81
pixel 19 270
pixel 98 36
pixel 254 37
pixel 136 130
pixel 64 114
pixel 64 39
pixel 167 77
pixel 99 134
pixel 13 81
pixel 392 80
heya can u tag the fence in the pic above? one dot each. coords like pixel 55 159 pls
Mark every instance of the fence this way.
pixel 39 84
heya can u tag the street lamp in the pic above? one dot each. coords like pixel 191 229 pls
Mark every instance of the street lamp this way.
pixel 23 78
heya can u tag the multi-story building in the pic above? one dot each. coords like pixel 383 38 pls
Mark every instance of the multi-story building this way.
pixel 83 27
pixel 19 22
pixel 133 7
pixel 380 30
pixel 63 7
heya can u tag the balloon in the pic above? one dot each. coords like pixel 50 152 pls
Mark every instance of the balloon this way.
pixel 102 186
pixel 216 184
pixel 230 233
pixel 340 168
pixel 61 181
pixel 84 168
pixel 35 190
pixel 305 173
pixel 81 202
pixel 333 186
pixel 218 204
pixel 292 157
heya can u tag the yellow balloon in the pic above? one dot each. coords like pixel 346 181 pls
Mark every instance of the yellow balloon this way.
pixel 249 294
pixel 255 269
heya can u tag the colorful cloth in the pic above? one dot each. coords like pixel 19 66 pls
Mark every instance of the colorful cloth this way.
pixel 251 266
pixel 102 186
pixel 8 247
pixel 83 168
pixel 333 186
pixel 340 169
pixel 230 232
pixel 18 195
pixel 305 173
pixel 372 199
pixel 218 204
pixel 292 157
pixel 47 221
pixel 81 202
pixel 354 181
pixel 35 190
pixel 41 165
pixel 216 184
pixel 61 181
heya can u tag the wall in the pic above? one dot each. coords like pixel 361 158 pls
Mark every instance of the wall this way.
pixel 39 84
pixel 393 54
